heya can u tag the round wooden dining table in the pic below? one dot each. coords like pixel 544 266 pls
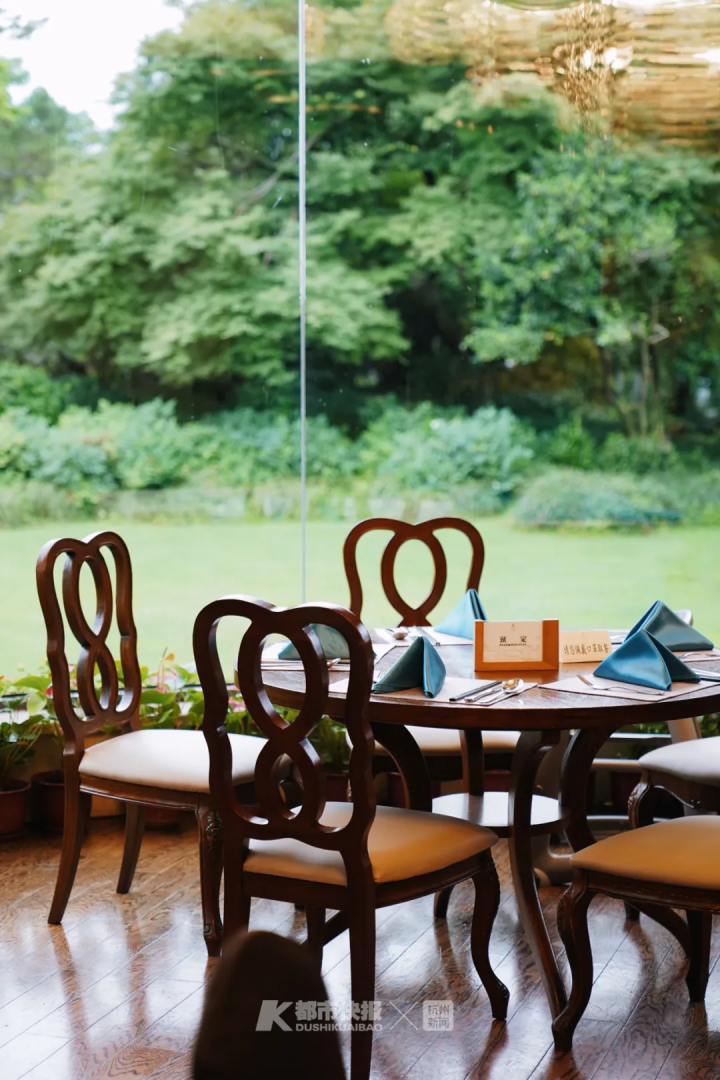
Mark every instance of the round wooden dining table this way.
pixel 541 716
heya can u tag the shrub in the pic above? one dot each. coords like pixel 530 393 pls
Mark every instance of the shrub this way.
pixel 145 445
pixel 441 449
pixel 639 456
pixel 246 447
pixel 23 386
pixel 570 497
pixel 31 448
pixel 570 445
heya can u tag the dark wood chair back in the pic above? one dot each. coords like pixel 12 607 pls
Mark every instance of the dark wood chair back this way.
pixel 112 704
pixel 271 818
pixel 425 531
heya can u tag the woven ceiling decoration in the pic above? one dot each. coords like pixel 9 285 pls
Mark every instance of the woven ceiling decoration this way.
pixel 642 66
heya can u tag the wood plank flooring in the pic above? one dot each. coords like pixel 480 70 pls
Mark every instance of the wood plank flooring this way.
pixel 117 990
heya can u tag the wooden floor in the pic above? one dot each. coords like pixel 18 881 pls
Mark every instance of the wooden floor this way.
pixel 117 991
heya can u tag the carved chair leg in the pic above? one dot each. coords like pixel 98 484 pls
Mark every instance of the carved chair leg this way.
pixel 211 868
pixel 236 914
pixel 361 920
pixel 134 829
pixel 77 811
pixel 641 806
pixel 442 899
pixel 573 926
pixel 700 926
pixel 315 918
pixel 487 901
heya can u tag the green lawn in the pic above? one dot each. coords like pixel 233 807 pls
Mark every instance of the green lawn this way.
pixel 584 579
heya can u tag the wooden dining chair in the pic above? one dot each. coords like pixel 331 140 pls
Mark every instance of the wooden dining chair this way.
pixel 443 748
pixel 349 857
pixel 687 768
pixel 157 767
pixel 672 864
pixel 450 754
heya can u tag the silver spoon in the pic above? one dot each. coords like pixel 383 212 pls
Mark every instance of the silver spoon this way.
pixel 501 695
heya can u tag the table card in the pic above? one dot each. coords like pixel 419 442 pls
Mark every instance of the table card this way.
pixel 517 646
pixel 584 646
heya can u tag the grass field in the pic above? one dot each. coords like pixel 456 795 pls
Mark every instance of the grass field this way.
pixel 584 579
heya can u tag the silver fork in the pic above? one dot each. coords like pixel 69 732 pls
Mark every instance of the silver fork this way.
pixel 633 687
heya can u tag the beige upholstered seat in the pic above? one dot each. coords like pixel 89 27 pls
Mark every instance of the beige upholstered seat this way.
pixel 437 741
pixel 177 760
pixel 402 844
pixel 682 852
pixel 694 759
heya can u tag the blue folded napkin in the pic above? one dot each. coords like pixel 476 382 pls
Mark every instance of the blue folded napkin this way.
pixel 645 661
pixel 420 665
pixel 461 620
pixel 662 622
pixel 334 645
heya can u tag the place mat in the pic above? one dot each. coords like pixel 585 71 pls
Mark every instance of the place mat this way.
pixel 697 657
pixel 629 691
pixel 451 688
pixel 272 661
pixel 383 636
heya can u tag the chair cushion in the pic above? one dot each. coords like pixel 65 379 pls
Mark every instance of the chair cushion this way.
pixel 402 844
pixel 693 759
pixel 684 851
pixel 438 741
pixel 178 760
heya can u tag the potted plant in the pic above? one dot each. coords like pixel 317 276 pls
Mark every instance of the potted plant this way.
pixel 17 740
pixel 330 741
pixel 48 786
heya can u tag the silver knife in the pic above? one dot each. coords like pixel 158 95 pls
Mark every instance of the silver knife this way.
pixel 712 676
pixel 476 690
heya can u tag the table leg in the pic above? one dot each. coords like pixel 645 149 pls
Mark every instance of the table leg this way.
pixel 574 774
pixel 530 751
pixel 473 759
pixel 408 757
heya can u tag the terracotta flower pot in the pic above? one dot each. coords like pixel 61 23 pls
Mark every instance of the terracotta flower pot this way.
pixel 48 800
pixel 13 806
pixel 161 817
pixel 336 787
pixel 396 789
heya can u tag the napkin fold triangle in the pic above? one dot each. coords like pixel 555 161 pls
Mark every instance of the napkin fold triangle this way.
pixel 334 644
pixel 643 660
pixel 662 622
pixel 419 665
pixel 461 620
